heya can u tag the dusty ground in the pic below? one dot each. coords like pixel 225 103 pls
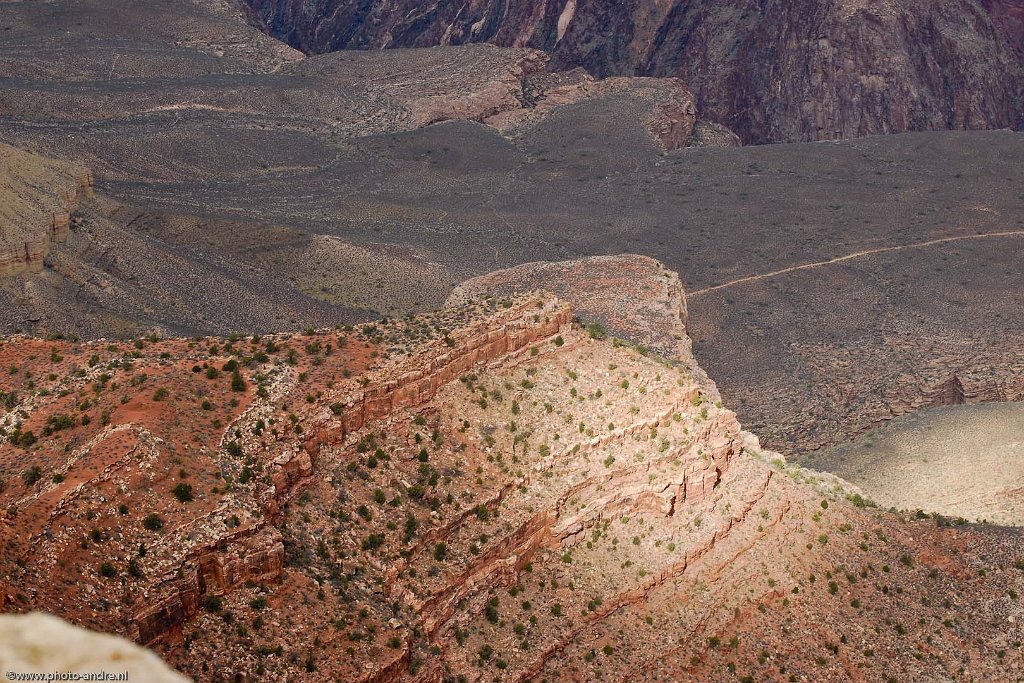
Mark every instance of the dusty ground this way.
pixel 959 461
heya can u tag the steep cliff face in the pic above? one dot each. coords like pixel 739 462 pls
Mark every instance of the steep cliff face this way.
pixel 818 71
pixel 37 197
pixel 775 71
pixel 254 555
pixel 1008 15
pixel 631 297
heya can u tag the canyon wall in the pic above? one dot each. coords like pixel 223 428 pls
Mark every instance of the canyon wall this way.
pixel 37 197
pixel 493 486
pixel 250 554
pixel 771 72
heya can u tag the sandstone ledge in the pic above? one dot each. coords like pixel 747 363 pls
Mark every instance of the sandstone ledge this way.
pixel 37 197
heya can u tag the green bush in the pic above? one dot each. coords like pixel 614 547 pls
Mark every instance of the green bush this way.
pixel 23 439
pixel 491 612
pixel 31 475
pixel 183 492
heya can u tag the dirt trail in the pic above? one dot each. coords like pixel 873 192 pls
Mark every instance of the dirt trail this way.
pixel 850 257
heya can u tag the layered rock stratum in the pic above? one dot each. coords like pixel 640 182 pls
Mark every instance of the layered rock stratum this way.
pixel 489 491
pixel 37 197
pixel 772 72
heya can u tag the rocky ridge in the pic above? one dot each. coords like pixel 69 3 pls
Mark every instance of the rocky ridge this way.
pixel 512 90
pixel 628 296
pixel 492 490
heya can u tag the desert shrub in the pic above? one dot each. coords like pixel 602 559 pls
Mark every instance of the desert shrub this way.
pixel 373 541
pixel 491 612
pixel 153 522
pixel 57 423
pixel 134 570
pixel 24 439
pixel 183 492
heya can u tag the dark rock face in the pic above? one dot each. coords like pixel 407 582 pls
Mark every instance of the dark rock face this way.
pixel 772 71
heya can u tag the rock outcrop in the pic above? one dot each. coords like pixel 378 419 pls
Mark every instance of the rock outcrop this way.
pixel 629 296
pixel 37 197
pixel 778 71
pixel 246 555
pixel 513 90
pixel 662 106
pixel 412 383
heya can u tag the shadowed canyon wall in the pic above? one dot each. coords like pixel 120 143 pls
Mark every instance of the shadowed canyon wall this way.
pixel 771 71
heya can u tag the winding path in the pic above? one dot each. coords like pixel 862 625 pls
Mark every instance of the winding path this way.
pixel 849 257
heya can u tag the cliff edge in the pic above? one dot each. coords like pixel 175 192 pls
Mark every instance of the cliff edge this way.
pixel 37 197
